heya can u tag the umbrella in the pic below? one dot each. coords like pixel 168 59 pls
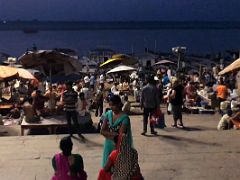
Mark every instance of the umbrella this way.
pixel 161 62
pixel 51 61
pixel 121 68
pixel 117 59
pixel 25 74
pixel 110 62
pixel 7 73
pixel 232 67
pixel 127 59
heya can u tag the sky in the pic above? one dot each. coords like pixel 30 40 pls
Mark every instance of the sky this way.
pixel 121 10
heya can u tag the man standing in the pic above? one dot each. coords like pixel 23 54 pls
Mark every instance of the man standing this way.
pixel 99 101
pixel 92 82
pixel 149 102
pixel 176 100
pixel 70 99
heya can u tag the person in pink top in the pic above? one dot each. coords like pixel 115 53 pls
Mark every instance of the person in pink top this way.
pixel 68 166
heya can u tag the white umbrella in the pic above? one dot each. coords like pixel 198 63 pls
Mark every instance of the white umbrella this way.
pixel 121 68
pixel 165 61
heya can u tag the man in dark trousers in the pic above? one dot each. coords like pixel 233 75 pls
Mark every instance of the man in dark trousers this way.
pixel 176 99
pixel 149 103
pixel 70 98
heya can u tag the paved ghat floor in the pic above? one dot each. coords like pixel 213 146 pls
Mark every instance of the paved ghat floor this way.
pixel 198 152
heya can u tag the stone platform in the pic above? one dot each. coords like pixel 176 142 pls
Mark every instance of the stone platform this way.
pixel 197 152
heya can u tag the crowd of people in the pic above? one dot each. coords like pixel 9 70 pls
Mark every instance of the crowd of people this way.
pixel 203 91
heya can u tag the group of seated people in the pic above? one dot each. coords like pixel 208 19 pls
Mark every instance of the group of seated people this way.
pixel 41 105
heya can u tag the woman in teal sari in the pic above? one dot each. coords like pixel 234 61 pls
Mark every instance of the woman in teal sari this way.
pixel 115 122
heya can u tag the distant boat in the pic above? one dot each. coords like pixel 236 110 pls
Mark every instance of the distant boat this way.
pixel 30 30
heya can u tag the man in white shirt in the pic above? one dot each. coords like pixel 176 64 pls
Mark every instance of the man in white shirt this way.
pixel 114 89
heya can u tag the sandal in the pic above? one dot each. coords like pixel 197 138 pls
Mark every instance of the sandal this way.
pixel 174 125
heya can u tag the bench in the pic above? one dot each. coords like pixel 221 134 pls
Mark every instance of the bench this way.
pixel 50 123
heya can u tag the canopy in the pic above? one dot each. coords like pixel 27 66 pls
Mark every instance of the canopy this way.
pixel 165 61
pixel 232 67
pixel 117 59
pixel 123 56
pixel 109 62
pixel 7 72
pixel 51 60
pixel 121 68
pixel 25 74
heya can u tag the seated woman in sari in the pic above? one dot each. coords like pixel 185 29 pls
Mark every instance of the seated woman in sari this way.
pixel 122 163
pixel 115 122
pixel 68 166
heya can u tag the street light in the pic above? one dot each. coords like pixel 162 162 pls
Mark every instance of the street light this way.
pixel 179 51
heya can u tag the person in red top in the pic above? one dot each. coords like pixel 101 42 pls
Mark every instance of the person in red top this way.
pixel 122 162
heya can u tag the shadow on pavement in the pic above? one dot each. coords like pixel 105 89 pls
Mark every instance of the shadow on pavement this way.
pixel 152 135
pixel 193 128
pixel 87 142
pixel 188 140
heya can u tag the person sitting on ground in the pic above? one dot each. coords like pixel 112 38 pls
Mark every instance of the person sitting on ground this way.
pixel 125 85
pixel 222 92
pixel 29 112
pixel 235 119
pixel 122 163
pixel 22 89
pixel 235 104
pixel 225 122
pixel 14 113
pixel 126 106
pixel 68 166
pixel 190 94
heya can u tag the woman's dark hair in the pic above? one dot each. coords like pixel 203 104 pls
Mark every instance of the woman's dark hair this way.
pixel 66 145
pixel 107 109
pixel 116 100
